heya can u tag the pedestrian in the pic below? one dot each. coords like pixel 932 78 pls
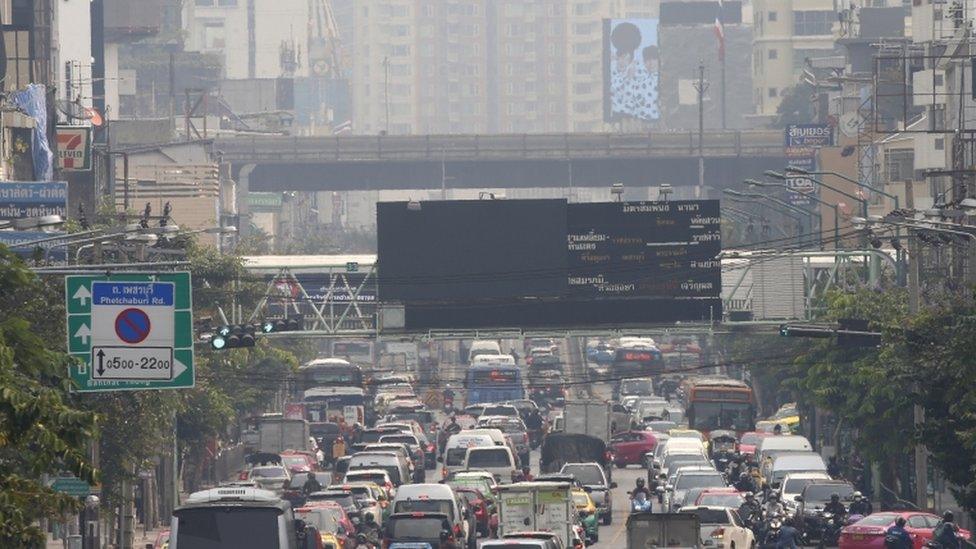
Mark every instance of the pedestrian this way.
pixel 338 448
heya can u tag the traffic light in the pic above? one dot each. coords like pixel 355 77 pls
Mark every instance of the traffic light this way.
pixel 232 337
pixel 290 324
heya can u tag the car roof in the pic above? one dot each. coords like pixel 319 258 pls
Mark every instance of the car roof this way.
pixel 408 491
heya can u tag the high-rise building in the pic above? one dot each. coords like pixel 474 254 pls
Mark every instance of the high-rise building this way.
pixel 478 66
pixel 786 34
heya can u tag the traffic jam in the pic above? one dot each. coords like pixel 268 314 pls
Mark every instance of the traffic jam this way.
pixel 627 442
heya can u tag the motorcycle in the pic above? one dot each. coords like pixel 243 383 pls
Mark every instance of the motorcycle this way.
pixel 639 505
pixel 771 531
pixel 830 526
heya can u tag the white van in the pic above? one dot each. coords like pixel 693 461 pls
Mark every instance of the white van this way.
pixel 782 443
pixel 507 360
pixel 497 460
pixel 457 447
pixel 483 347
pixel 432 498
pixel 782 464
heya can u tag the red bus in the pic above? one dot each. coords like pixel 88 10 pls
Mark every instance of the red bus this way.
pixel 719 403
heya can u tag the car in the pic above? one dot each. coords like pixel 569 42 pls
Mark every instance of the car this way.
pixel 270 477
pixel 592 477
pixel 524 406
pixel 749 441
pixel 370 498
pixel 481 480
pixel 640 386
pixel 719 497
pixel 519 543
pixel 793 485
pixel 516 431
pixel 722 528
pixel 370 436
pixel 483 510
pixel 295 493
pixel 435 498
pixel 499 410
pixel 550 537
pixel 660 426
pixel 869 532
pixel 398 447
pixel 422 530
pixel 665 467
pixel 343 498
pixel 334 527
pixel 587 514
pixel 812 500
pixel 497 460
pixel 377 476
pixel 417 453
pixel 299 462
pixel 629 447
pixel 686 480
pixel 393 463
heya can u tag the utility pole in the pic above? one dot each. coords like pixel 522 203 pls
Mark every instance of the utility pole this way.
pixel 386 91
pixel 914 303
pixel 701 87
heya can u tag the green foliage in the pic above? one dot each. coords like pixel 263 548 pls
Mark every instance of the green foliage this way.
pixel 40 433
pixel 796 106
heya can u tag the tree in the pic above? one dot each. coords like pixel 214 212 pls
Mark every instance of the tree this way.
pixel 40 432
pixel 796 106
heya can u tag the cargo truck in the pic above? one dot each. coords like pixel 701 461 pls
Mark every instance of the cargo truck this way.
pixel 587 418
pixel 537 507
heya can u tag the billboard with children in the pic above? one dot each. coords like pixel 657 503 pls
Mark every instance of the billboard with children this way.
pixel 630 69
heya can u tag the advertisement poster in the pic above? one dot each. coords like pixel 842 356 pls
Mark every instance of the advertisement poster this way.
pixel 631 69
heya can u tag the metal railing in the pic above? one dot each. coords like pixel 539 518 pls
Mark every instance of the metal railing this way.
pixel 489 147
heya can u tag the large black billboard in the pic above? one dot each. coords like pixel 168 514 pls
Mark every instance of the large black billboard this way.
pixel 471 249
pixel 645 249
pixel 546 263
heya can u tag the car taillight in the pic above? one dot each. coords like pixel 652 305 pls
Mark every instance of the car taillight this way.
pixel 718 532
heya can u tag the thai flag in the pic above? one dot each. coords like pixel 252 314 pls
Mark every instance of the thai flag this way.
pixel 720 31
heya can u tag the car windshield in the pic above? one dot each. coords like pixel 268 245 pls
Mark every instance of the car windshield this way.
pixel 822 492
pixel 581 499
pixel 344 499
pixel 416 528
pixel 637 387
pixel 374 436
pixel 293 461
pixel 491 457
pixel 587 475
pixel 673 461
pixel 268 472
pixel 710 516
pixel 751 439
pixel 227 527
pixel 406 439
pixel 423 506
pixel 795 485
pixel 325 519
pixel 881 519
pixel 366 477
pixel 685 482
pixel 508 426
pixel 721 500
pixel 455 457
pixel 477 483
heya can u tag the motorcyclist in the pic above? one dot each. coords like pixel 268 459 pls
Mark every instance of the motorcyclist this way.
pixel 773 506
pixel 835 506
pixel 370 529
pixel 945 535
pixel 640 488
pixel 897 537
pixel 534 425
pixel 311 485
pixel 640 500
pixel 750 509
pixel 861 505
pixel 788 536
pixel 452 427
pixel 745 483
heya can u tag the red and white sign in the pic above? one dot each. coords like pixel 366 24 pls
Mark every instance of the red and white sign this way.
pixel 74 148
pixel 294 411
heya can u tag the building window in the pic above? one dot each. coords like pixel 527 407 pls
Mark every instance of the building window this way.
pixel 773 54
pixel 772 16
pixel 900 164
pixel 812 23
pixel 19 73
pixel 772 92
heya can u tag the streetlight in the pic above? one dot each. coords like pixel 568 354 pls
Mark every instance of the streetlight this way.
pixel 27 223
pixel 782 204
pixel 863 201
pixel 756 183
pixel 796 218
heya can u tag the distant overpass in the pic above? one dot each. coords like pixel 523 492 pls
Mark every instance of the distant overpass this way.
pixel 286 163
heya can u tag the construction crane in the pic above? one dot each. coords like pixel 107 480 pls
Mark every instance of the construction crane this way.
pixel 324 46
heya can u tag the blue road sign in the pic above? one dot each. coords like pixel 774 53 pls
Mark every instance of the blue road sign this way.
pixel 132 293
pixel 19 200
pixel 132 325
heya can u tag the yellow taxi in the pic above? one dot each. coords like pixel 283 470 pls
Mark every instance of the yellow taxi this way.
pixel 587 514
